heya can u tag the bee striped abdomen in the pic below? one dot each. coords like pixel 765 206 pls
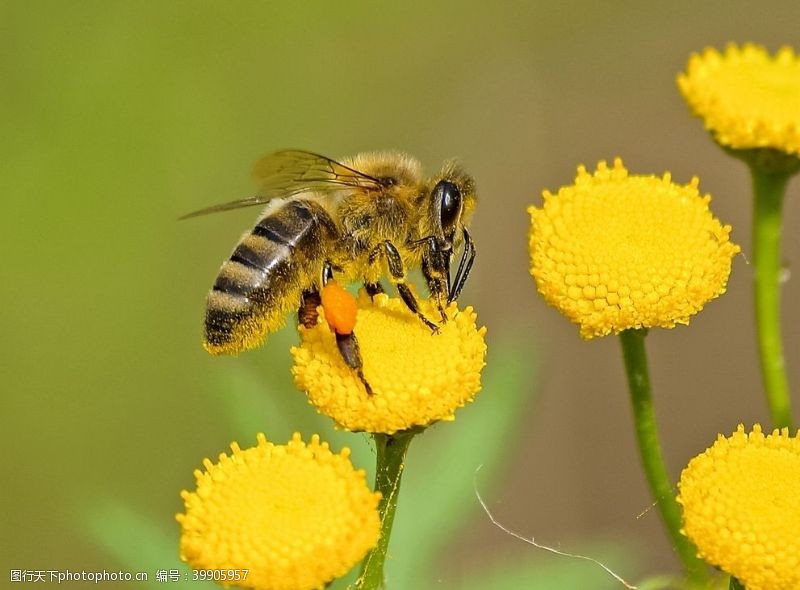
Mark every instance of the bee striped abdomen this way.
pixel 264 278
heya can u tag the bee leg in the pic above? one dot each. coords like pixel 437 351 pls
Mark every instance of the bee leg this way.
pixel 398 275
pixel 310 299
pixel 307 314
pixel 372 289
pixel 345 342
pixel 437 276
pixel 327 272
pixel 436 258
pixel 348 348
pixel 464 267
pixel 411 303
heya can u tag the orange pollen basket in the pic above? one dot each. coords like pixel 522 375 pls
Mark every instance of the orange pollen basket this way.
pixel 340 308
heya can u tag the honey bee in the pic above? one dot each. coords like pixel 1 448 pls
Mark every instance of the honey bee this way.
pixel 368 216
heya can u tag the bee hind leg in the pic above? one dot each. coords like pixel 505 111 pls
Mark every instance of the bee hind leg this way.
pixel 346 342
pixel 348 348
pixel 310 300
pixel 327 272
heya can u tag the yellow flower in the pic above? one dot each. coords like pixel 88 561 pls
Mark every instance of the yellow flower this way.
pixel 746 98
pixel 416 377
pixel 741 507
pixel 296 515
pixel 614 251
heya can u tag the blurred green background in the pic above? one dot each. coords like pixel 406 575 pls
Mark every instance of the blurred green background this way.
pixel 117 117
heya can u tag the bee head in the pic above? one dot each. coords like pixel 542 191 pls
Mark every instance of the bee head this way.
pixel 452 200
pixel 452 203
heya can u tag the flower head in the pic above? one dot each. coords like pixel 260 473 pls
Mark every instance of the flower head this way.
pixel 747 98
pixel 741 507
pixel 296 515
pixel 416 377
pixel 615 251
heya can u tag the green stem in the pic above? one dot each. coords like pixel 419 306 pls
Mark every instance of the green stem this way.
pixel 735 584
pixel 391 453
pixel 650 452
pixel 769 188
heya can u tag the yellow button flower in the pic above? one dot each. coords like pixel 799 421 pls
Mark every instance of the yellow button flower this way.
pixel 741 507
pixel 416 377
pixel 746 98
pixel 614 251
pixel 295 516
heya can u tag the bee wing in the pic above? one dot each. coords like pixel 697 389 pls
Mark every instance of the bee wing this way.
pixel 237 204
pixel 296 170
pixel 288 172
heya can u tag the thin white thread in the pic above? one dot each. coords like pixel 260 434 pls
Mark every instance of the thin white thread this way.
pixel 746 259
pixel 531 541
pixel 646 510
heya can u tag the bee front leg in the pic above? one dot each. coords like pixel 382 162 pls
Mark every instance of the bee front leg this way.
pixel 398 276
pixel 436 257
pixel 436 270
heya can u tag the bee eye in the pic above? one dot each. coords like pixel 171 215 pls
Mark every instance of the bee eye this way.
pixel 450 198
